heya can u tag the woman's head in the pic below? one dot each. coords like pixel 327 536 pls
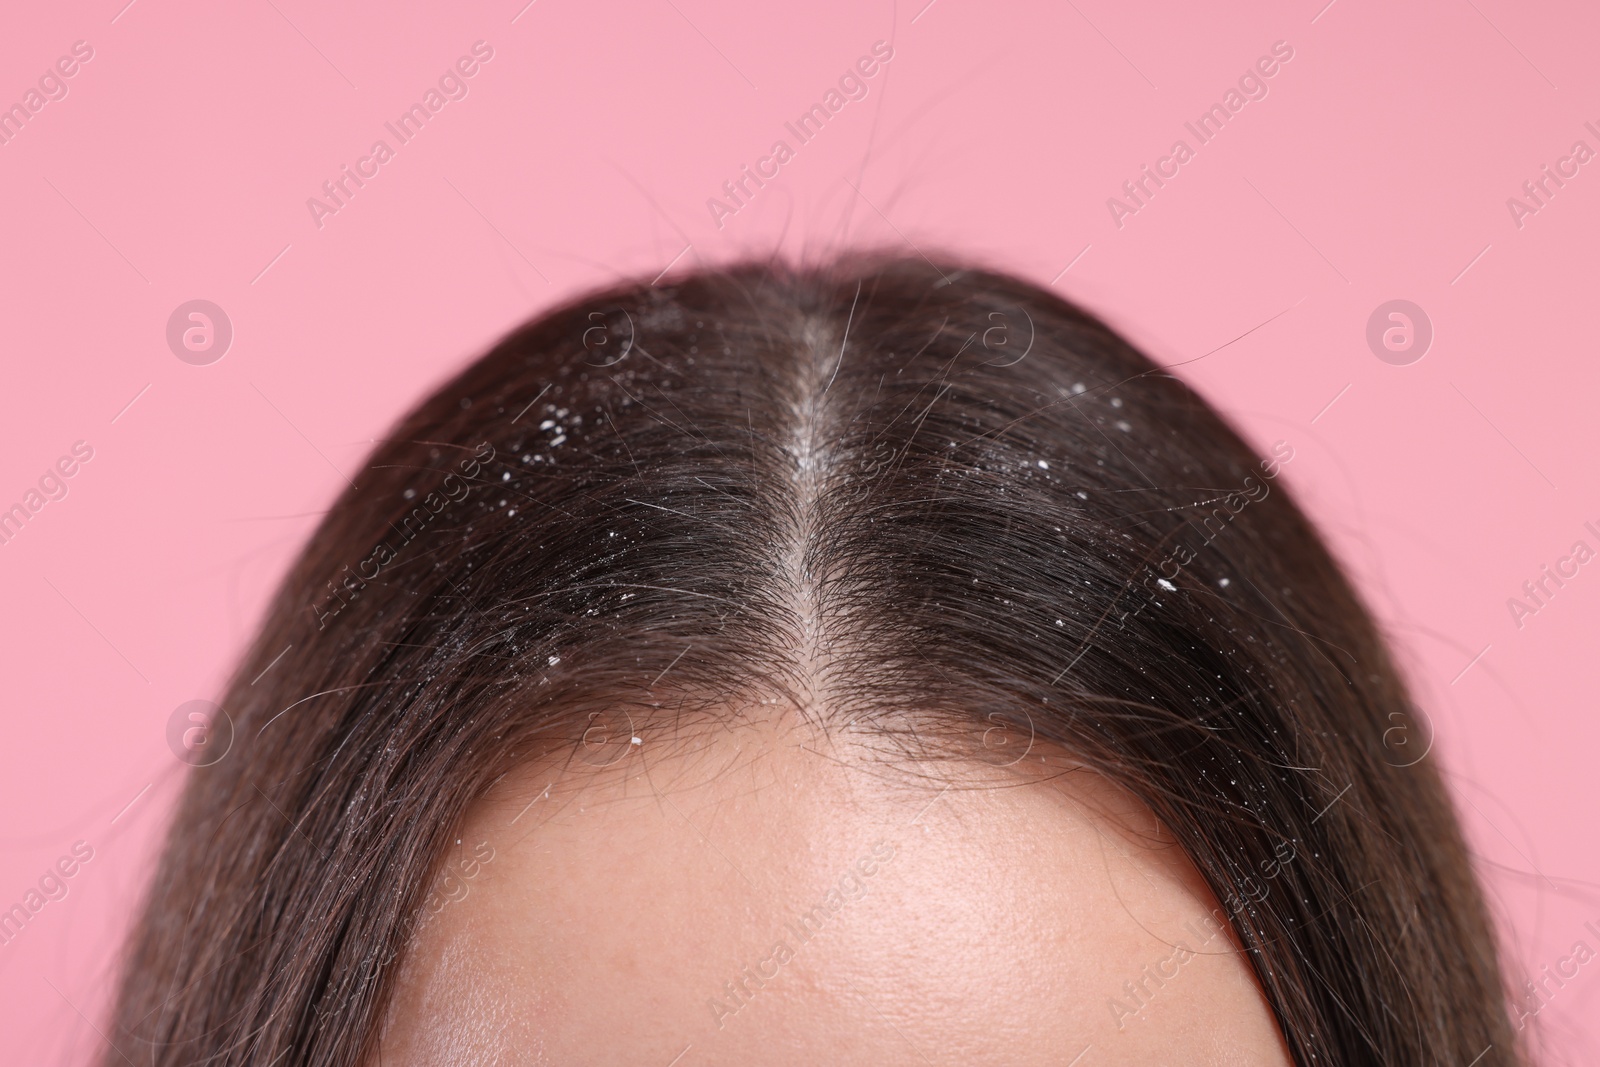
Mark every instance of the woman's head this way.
pixel 904 617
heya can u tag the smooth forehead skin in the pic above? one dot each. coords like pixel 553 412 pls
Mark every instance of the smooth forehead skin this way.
pixel 771 895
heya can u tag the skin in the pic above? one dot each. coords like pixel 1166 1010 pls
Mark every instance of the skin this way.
pixel 984 911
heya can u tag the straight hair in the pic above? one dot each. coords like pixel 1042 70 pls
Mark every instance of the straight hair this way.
pixel 882 490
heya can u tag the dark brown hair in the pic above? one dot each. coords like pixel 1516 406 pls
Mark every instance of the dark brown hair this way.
pixel 875 487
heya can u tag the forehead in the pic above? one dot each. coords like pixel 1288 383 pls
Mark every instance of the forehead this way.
pixel 788 898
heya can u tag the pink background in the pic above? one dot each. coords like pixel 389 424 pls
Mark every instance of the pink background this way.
pixel 1378 167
